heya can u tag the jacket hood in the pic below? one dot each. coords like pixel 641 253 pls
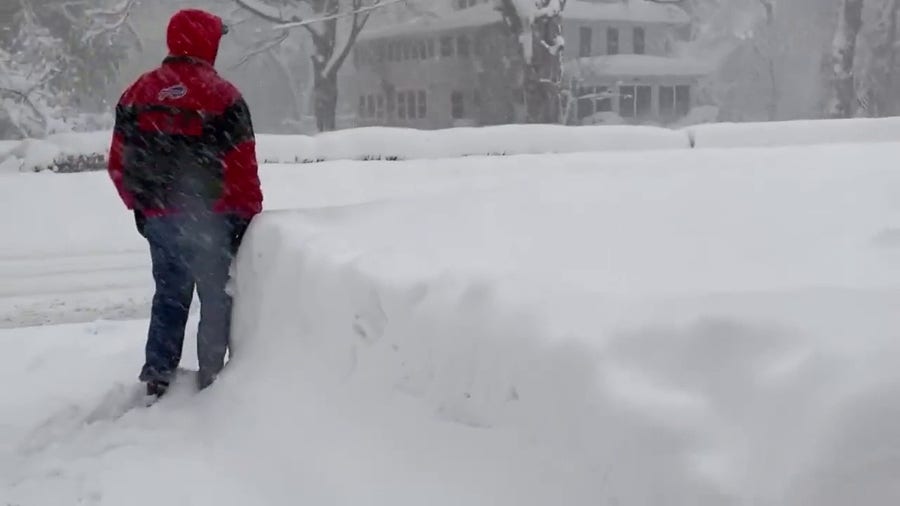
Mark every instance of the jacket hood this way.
pixel 195 33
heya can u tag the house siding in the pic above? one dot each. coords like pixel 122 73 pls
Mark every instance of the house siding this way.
pixel 488 80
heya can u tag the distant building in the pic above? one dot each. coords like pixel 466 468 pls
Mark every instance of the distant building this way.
pixel 456 70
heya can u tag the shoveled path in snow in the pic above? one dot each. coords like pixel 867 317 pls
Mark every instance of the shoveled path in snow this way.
pixel 59 288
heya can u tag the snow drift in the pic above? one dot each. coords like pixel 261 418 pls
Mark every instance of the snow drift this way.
pixel 795 133
pixel 708 335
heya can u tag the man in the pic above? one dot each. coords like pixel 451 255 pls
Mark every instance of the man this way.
pixel 183 158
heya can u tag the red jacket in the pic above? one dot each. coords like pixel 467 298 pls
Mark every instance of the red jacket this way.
pixel 183 137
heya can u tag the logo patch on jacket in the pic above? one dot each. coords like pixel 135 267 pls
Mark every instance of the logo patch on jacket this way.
pixel 172 92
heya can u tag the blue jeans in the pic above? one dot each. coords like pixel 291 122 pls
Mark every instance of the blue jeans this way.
pixel 188 250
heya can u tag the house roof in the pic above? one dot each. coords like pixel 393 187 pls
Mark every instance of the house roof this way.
pixel 635 11
pixel 634 65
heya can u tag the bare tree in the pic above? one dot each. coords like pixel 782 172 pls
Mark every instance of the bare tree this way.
pixel 334 29
pixel 843 86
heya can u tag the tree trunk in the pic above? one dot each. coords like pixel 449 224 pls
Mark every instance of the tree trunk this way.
pixel 541 46
pixel 843 86
pixel 543 76
pixel 889 92
pixel 325 93
pixel 770 48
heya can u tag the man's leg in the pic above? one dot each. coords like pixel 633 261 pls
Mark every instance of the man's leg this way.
pixel 211 260
pixel 171 302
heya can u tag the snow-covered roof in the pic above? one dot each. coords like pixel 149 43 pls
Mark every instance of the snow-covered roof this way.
pixel 472 17
pixel 637 11
pixel 634 65
pixel 634 11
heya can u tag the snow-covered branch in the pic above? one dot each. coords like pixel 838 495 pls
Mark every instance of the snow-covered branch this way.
pixel 96 22
pixel 356 12
pixel 267 12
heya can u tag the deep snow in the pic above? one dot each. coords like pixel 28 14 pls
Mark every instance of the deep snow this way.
pixel 697 327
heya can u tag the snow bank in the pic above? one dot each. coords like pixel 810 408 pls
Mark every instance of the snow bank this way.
pixel 795 133
pixel 78 152
pixel 628 335
pixel 63 152
pixel 410 144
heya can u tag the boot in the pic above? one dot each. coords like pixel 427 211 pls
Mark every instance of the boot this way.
pixel 157 388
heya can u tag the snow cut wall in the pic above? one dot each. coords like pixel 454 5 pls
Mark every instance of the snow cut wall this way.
pixel 686 336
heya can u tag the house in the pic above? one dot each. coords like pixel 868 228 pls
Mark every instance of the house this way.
pixel 457 69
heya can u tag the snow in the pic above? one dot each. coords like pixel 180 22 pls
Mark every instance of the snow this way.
pixel 633 65
pixel 795 133
pixel 632 11
pixel 484 14
pixel 697 327
pixel 380 143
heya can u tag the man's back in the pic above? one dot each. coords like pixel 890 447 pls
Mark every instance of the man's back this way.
pixel 183 157
pixel 182 131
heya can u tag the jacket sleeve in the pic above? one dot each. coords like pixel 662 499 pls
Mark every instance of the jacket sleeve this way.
pixel 116 164
pixel 242 193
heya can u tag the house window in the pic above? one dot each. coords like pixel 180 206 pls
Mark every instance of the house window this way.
pixel 446 47
pixel 635 101
pixel 379 107
pixel 411 104
pixel 612 41
pixel 640 40
pixel 401 105
pixel 361 110
pixel 423 107
pixel 602 100
pixel 430 48
pixel 584 39
pixel 379 52
pixel 584 105
pixel 593 99
pixel 407 51
pixel 462 46
pixel 682 100
pixel 456 105
pixel 390 100
pixel 423 50
pixel 667 101
pixel 370 106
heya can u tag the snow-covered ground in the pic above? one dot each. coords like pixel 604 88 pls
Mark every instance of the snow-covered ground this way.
pixel 688 327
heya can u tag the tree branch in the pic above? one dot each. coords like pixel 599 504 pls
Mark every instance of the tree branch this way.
pixel 262 48
pixel 357 10
pixel 268 13
pixel 360 18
